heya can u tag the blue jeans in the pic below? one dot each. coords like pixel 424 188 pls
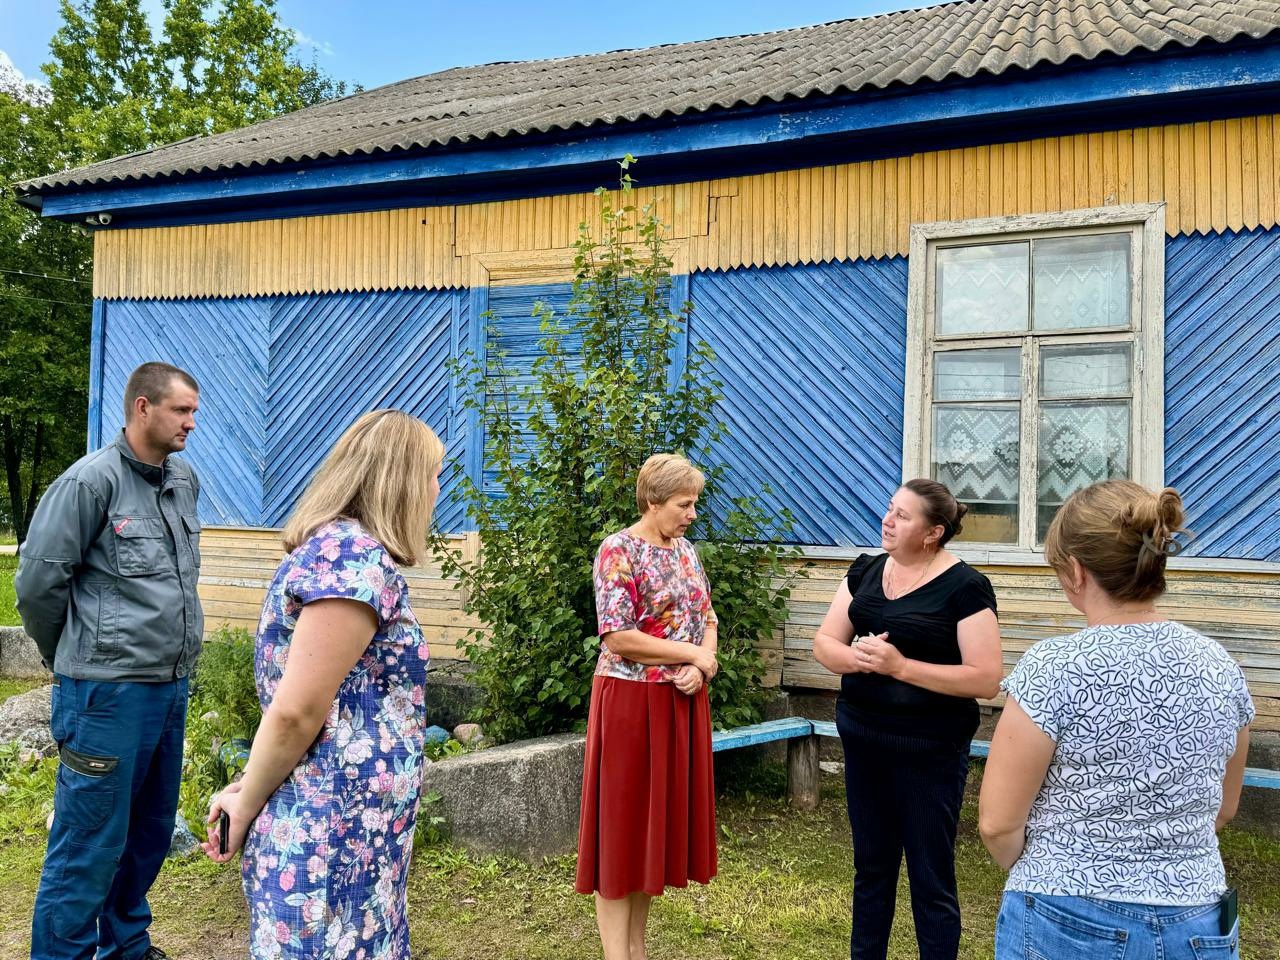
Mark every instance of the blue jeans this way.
pixel 114 807
pixel 1032 926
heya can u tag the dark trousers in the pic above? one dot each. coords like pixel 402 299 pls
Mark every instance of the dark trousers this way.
pixel 114 808
pixel 904 796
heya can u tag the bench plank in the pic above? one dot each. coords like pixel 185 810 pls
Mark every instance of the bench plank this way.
pixel 766 732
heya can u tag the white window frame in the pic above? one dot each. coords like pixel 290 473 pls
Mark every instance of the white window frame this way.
pixel 1145 224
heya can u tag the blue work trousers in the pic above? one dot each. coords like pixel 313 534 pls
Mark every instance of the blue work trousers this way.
pixel 120 746
pixel 1032 926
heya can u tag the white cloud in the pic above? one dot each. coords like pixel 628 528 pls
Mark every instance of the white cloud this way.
pixel 7 69
pixel 320 46
pixel 16 85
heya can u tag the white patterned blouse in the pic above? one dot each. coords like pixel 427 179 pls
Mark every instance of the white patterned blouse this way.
pixel 1144 718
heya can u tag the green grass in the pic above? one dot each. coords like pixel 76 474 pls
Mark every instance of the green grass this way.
pixel 12 686
pixel 782 894
pixel 8 602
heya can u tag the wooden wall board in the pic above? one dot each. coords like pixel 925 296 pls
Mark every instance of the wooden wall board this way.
pixel 1240 610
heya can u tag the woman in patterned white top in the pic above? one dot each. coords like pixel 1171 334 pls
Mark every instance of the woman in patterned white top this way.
pixel 1120 751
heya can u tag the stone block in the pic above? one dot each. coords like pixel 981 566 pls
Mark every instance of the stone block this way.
pixel 520 798
pixel 24 719
pixel 451 698
pixel 1259 811
pixel 19 656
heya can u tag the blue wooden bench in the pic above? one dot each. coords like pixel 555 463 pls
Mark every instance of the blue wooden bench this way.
pixel 802 753
pixel 802 735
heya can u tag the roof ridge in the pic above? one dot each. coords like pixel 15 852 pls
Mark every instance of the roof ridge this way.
pixel 963 40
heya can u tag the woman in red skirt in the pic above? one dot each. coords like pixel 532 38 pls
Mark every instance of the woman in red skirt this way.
pixel 648 800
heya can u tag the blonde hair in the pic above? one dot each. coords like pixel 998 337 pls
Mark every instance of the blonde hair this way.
pixel 378 473
pixel 1122 533
pixel 663 476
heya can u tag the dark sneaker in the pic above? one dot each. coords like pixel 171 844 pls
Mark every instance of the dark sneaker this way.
pixel 155 953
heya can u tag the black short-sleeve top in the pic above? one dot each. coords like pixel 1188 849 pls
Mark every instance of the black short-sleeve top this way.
pixel 922 625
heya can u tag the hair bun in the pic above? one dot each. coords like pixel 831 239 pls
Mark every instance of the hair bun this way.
pixel 1122 533
pixel 1169 511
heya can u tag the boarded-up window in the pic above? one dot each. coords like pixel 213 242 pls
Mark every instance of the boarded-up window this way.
pixel 514 342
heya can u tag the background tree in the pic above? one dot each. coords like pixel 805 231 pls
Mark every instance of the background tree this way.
pixel 44 306
pixel 114 88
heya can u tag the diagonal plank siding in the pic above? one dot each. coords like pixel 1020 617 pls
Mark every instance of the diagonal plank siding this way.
pixel 811 360
pixel 222 343
pixel 1222 390
pixel 1213 176
pixel 513 342
pixel 282 377
pixel 336 357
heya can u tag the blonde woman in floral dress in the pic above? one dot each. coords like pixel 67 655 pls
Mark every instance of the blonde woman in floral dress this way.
pixel 648 798
pixel 325 811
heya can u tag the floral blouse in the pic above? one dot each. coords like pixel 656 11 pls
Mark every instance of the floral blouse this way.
pixel 662 591
pixel 326 863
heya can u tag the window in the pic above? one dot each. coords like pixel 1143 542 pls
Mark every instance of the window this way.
pixel 1035 362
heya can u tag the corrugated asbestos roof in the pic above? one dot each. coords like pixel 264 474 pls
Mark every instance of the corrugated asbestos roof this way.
pixel 467 104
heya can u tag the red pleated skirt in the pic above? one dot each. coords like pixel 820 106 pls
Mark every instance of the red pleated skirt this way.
pixel 648 792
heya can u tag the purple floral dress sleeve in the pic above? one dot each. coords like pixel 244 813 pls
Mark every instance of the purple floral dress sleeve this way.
pixel 326 863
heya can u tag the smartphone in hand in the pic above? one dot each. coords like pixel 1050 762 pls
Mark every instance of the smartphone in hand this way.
pixel 224 828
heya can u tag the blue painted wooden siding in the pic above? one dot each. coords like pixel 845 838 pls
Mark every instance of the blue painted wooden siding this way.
pixel 812 360
pixel 513 342
pixel 223 344
pixel 334 357
pixel 282 377
pixel 1222 390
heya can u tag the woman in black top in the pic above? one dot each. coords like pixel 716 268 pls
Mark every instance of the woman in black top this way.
pixel 913 634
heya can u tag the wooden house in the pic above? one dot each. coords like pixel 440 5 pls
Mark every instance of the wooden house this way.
pixel 1020 245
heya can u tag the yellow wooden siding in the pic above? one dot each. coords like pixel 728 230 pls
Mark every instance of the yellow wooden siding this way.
pixel 1213 176
pixel 1241 610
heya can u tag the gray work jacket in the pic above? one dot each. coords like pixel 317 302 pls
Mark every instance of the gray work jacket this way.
pixel 106 581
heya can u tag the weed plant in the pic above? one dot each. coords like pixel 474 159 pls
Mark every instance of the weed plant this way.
pixel 222 718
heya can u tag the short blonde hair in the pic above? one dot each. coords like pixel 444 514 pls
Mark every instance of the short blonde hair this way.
pixel 379 474
pixel 663 476
pixel 1122 533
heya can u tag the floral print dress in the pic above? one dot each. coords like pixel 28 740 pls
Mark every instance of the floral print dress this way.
pixel 326 863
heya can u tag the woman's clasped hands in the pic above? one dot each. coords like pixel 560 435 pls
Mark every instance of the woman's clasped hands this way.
pixel 874 654
pixel 691 677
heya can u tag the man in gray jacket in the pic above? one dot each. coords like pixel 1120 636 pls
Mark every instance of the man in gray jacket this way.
pixel 106 587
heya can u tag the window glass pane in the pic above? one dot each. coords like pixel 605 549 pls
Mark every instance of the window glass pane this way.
pixel 1095 370
pixel 977 375
pixel 1080 444
pixel 982 289
pixel 1082 282
pixel 975 453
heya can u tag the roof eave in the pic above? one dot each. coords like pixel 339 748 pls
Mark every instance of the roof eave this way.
pixel 1117 83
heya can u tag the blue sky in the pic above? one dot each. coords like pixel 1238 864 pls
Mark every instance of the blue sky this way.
pixel 380 41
